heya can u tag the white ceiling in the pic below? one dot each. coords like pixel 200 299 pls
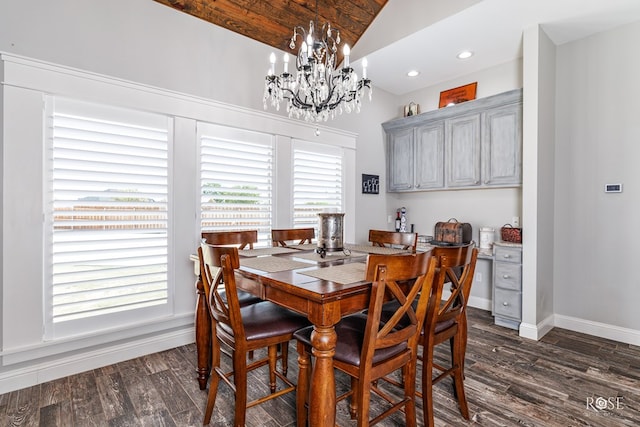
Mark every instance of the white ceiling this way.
pixel 492 29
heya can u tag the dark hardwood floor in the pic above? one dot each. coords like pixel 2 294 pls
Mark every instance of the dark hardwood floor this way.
pixel 566 379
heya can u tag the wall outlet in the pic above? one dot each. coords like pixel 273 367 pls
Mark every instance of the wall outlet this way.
pixel 515 221
pixel 478 277
pixel 389 219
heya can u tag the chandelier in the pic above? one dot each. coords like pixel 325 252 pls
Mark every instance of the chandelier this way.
pixel 318 90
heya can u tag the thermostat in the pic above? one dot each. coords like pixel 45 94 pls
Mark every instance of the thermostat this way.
pixel 613 188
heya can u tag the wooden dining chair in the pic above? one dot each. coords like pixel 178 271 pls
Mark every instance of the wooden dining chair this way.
pixel 368 350
pixel 281 237
pixel 241 239
pixel 394 238
pixel 237 330
pixel 457 267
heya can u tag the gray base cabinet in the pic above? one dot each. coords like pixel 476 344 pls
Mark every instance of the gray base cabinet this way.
pixel 507 284
pixel 475 144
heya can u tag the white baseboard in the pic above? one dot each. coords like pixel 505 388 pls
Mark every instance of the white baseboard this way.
pixel 589 327
pixel 28 376
pixel 535 332
pixel 481 303
pixel 602 330
pixel 477 302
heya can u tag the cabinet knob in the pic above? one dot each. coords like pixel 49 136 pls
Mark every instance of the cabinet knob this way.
pixel 507 256
pixel 505 303
pixel 505 276
pixel 477 182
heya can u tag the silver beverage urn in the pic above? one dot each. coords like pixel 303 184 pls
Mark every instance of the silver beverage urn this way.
pixel 330 237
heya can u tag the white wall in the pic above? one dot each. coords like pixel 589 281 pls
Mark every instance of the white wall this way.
pixel 491 81
pixel 598 142
pixel 141 41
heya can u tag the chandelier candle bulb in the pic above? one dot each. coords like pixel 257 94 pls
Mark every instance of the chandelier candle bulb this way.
pixel 364 68
pixel 272 61
pixel 303 52
pixel 285 58
pixel 346 51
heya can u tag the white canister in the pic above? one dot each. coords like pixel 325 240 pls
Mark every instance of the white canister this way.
pixel 487 236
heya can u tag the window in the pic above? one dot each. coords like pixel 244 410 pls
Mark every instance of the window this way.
pixel 107 217
pixel 317 182
pixel 236 180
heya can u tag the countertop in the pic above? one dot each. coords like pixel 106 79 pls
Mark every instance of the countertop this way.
pixel 482 253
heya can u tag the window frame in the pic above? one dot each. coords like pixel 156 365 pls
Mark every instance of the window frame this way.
pixel 121 319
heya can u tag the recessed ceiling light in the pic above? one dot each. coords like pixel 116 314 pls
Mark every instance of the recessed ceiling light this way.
pixel 465 54
pixel 413 73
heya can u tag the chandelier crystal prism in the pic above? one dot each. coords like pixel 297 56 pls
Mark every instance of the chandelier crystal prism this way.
pixel 317 91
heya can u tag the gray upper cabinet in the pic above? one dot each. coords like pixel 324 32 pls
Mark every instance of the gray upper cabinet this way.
pixel 502 158
pixel 400 159
pixel 415 158
pixel 463 151
pixel 429 156
pixel 476 144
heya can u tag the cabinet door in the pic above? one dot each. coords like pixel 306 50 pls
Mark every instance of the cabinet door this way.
pixel 462 140
pixel 429 158
pixel 400 164
pixel 502 146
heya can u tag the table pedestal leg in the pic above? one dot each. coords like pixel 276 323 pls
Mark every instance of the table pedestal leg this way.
pixel 203 335
pixel 323 386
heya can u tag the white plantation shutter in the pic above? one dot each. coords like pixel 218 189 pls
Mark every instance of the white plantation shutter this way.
pixel 108 217
pixel 236 179
pixel 317 182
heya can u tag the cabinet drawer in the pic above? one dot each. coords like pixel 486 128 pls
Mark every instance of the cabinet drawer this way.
pixel 508 276
pixel 508 254
pixel 507 304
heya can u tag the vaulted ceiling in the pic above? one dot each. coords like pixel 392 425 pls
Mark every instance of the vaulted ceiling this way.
pixel 423 35
pixel 272 21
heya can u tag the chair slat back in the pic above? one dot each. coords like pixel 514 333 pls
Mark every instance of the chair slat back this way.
pixel 242 238
pixel 281 237
pixel 457 266
pixel 388 238
pixel 405 279
pixel 219 265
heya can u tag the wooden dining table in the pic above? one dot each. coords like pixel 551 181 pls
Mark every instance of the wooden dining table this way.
pixel 323 289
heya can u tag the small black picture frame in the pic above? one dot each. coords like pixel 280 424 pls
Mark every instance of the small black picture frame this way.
pixel 370 184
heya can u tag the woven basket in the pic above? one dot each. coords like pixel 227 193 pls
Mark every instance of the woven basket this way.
pixel 508 233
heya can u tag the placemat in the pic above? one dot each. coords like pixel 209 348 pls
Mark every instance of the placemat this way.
pixel 343 274
pixel 266 251
pixel 330 256
pixel 304 247
pixel 271 264
pixel 376 249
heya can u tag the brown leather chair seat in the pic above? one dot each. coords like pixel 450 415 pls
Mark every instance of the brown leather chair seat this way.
pixel 350 331
pixel 244 298
pixel 264 320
